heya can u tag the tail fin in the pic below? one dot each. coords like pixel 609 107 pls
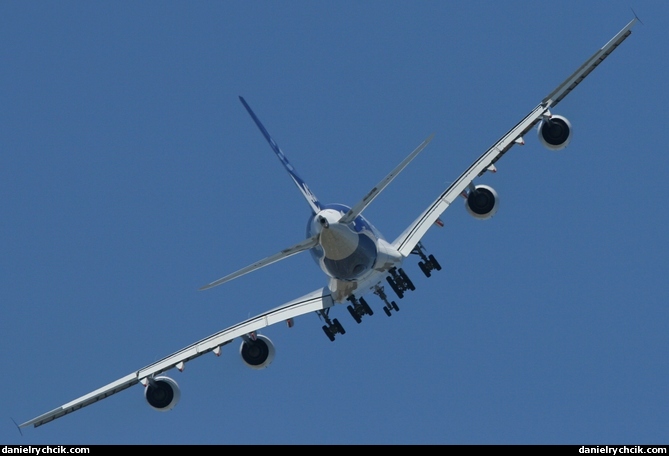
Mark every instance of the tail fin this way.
pixel 308 195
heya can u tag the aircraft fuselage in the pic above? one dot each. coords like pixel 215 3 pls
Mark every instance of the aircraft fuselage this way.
pixel 350 254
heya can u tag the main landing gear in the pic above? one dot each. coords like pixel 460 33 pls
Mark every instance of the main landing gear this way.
pixel 428 263
pixel 358 308
pixel 331 327
pixel 378 291
pixel 399 282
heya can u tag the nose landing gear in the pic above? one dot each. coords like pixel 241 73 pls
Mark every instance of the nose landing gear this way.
pixel 389 306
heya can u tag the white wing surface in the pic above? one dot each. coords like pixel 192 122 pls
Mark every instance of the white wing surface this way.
pixel 317 300
pixel 406 242
pixel 322 299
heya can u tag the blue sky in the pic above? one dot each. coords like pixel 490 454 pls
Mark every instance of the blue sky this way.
pixel 131 175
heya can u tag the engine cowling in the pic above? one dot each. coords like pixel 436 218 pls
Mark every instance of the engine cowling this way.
pixel 162 394
pixel 482 203
pixel 259 353
pixel 555 133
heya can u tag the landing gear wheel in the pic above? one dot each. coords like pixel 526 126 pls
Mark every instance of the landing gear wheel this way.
pixel 339 327
pixel 365 306
pixel 434 262
pixel 354 314
pixel 328 333
pixel 387 311
pixel 425 270
pixel 406 279
pixel 392 303
pixel 391 282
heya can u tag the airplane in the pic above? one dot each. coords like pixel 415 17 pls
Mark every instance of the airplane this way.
pixel 352 253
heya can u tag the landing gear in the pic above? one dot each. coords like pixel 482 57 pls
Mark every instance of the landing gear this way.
pixel 378 290
pixel 332 327
pixel 399 282
pixel 428 263
pixel 358 308
pixel 354 314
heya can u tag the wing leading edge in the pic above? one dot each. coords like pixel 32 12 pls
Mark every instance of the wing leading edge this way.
pixel 406 242
pixel 321 299
pixel 317 300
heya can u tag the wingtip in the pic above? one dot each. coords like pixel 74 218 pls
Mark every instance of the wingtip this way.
pixel 17 426
pixel 211 285
pixel 636 17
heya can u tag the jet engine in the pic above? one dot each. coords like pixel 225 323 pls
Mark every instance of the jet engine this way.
pixel 162 393
pixel 555 133
pixel 258 353
pixel 482 202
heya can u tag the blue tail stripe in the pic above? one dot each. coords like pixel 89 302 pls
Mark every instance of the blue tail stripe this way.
pixel 304 188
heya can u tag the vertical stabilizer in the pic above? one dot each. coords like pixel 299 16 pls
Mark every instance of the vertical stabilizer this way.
pixel 308 195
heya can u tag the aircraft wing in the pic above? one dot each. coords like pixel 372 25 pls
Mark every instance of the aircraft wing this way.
pixel 406 242
pixel 317 300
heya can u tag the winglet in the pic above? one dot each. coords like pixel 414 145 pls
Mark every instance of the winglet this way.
pixel 306 192
pixel 17 426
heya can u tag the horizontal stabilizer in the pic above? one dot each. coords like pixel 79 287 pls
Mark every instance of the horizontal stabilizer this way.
pixel 290 251
pixel 358 208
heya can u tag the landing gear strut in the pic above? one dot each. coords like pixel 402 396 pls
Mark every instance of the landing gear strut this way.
pixel 378 290
pixel 429 263
pixel 399 282
pixel 331 327
pixel 358 308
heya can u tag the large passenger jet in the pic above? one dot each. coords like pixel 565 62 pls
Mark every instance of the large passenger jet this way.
pixel 352 253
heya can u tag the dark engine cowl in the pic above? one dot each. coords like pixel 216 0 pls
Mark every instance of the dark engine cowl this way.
pixel 483 202
pixel 555 133
pixel 162 394
pixel 257 354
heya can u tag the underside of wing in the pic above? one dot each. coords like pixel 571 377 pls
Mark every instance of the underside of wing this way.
pixel 407 241
pixel 317 300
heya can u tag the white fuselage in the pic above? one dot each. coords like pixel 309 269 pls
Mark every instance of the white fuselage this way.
pixel 352 255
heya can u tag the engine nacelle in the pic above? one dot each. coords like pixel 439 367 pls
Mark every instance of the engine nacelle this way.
pixel 162 394
pixel 482 203
pixel 257 354
pixel 555 133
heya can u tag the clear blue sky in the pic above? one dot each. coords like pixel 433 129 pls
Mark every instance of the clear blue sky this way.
pixel 130 175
